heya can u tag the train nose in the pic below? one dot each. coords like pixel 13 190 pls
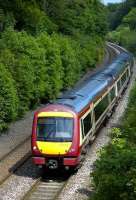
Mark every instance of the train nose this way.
pixel 52 164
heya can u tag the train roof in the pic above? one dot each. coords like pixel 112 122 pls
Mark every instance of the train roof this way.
pixel 81 96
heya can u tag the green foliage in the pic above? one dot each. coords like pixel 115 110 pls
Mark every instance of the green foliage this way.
pixel 130 19
pixel 54 70
pixel 125 37
pixel 78 16
pixel 125 33
pixel 6 20
pixel 118 11
pixel 20 55
pixel 8 98
pixel 92 52
pixel 70 62
pixel 36 21
pixel 129 125
pixel 26 15
pixel 115 174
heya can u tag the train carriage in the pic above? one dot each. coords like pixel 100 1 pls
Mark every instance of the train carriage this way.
pixel 62 130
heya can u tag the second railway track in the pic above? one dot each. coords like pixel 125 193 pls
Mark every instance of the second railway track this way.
pixel 14 159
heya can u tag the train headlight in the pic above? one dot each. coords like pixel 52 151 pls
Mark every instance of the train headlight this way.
pixel 34 148
pixel 72 150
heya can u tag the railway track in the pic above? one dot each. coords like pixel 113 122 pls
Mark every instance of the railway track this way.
pixel 10 162
pixel 48 187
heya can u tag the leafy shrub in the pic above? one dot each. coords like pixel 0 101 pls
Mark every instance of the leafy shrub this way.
pixel 26 62
pixel 54 69
pixel 129 124
pixel 91 51
pixel 115 174
pixel 8 98
pixel 36 21
pixel 70 63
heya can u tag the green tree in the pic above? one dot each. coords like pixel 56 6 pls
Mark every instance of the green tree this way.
pixel 27 63
pixel 54 69
pixel 70 63
pixel 130 19
pixel 8 98
pixel 77 16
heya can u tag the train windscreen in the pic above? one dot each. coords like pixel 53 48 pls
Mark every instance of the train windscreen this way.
pixel 57 129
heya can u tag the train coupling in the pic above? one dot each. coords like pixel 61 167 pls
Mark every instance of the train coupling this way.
pixel 52 164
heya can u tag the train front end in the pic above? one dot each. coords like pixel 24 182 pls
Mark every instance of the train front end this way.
pixel 55 138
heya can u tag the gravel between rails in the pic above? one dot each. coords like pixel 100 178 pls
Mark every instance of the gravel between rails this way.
pixel 79 185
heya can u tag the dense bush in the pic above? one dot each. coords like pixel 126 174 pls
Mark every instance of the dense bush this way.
pixel 125 37
pixel 129 123
pixel 54 70
pixel 25 15
pixel 20 54
pixel 8 98
pixel 74 17
pixel 70 62
pixel 92 52
pixel 34 63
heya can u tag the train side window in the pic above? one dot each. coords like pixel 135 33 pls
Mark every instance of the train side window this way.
pixel 127 73
pixel 87 124
pixel 123 78
pixel 82 129
pixel 101 107
pixel 112 93
pixel 119 85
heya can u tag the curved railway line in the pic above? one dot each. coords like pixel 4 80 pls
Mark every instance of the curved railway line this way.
pixel 48 186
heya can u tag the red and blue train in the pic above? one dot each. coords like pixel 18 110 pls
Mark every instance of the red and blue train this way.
pixel 62 130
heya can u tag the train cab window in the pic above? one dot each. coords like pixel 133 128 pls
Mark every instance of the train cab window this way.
pixel 101 107
pixel 55 129
pixel 112 93
pixel 87 124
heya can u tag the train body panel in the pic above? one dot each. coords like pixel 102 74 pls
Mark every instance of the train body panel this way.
pixel 53 148
pixel 62 130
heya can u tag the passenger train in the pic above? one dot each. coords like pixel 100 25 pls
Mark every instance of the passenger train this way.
pixel 62 130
